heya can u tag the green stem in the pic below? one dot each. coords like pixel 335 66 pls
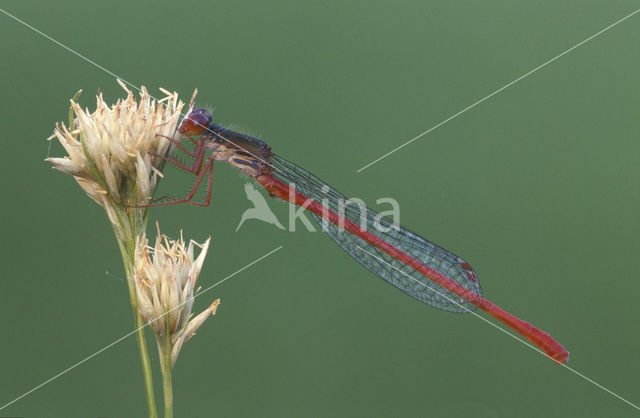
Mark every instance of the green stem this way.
pixel 146 365
pixel 168 388
pixel 127 249
pixel 166 372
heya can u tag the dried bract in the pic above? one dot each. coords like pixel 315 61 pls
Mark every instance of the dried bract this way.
pixel 165 280
pixel 108 149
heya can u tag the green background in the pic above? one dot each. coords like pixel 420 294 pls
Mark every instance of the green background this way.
pixel 537 188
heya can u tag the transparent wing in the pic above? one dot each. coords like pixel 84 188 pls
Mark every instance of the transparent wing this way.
pixel 389 269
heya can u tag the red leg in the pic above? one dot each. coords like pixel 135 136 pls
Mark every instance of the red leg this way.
pixel 195 168
pixel 179 145
pixel 207 169
pixel 193 140
pixel 207 200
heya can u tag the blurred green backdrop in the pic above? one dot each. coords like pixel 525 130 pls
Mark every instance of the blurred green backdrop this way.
pixel 537 188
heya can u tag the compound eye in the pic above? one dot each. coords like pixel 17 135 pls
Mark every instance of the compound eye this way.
pixel 196 123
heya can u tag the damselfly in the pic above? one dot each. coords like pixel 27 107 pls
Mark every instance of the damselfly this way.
pixel 402 258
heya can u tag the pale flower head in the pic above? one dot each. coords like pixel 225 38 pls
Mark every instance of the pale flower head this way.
pixel 165 280
pixel 108 149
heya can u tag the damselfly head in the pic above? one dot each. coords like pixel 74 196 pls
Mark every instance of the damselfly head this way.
pixel 196 122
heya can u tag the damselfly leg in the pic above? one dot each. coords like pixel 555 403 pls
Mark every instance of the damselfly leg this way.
pixel 198 155
pixel 207 169
pixel 181 147
pixel 199 168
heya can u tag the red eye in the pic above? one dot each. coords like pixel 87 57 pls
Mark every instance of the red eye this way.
pixel 196 123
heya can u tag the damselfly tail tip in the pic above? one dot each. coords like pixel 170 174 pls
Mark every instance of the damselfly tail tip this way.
pixel 561 357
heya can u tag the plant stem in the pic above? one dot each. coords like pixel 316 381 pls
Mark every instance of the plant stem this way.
pixel 167 365
pixel 168 387
pixel 127 249
pixel 146 365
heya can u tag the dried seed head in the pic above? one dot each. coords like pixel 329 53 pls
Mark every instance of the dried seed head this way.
pixel 108 150
pixel 165 279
